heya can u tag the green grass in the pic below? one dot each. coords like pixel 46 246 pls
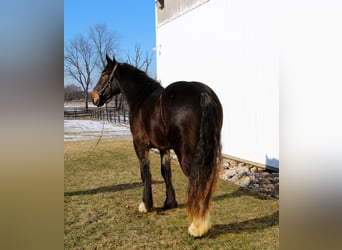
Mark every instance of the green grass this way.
pixel 102 191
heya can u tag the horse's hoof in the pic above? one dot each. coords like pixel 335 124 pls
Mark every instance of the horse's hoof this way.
pixel 199 227
pixel 170 205
pixel 142 208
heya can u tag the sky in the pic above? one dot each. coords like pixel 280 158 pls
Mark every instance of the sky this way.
pixel 133 20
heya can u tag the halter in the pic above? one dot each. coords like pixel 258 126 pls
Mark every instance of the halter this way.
pixel 109 82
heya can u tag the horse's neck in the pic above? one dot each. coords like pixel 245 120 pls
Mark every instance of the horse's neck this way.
pixel 136 93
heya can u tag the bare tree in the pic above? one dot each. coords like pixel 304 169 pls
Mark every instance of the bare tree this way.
pixel 105 42
pixel 79 62
pixel 138 59
pixel 85 53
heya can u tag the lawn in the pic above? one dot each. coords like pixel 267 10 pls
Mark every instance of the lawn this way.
pixel 102 191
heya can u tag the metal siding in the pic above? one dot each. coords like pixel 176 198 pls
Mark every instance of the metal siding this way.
pixel 174 8
pixel 231 46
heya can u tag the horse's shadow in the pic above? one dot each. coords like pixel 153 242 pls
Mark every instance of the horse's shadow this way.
pixel 244 226
pixel 107 189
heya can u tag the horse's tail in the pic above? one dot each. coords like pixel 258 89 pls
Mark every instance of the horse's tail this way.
pixel 204 168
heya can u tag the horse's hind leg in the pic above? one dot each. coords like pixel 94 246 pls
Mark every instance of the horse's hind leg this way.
pixel 199 210
pixel 199 196
pixel 147 202
pixel 170 201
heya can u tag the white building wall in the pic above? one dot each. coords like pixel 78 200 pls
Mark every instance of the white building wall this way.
pixel 233 47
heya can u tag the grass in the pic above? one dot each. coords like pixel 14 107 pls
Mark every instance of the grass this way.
pixel 102 191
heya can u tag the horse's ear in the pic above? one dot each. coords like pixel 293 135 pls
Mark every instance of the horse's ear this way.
pixel 114 59
pixel 109 61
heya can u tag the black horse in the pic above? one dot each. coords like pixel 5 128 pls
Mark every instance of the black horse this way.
pixel 186 117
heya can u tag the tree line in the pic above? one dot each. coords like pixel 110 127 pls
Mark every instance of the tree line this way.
pixel 85 58
pixel 73 92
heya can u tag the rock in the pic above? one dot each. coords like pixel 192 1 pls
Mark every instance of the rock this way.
pixel 241 164
pixel 244 181
pixel 257 175
pixel 264 174
pixel 232 163
pixel 242 170
pixel 274 175
pixel 275 180
pixel 234 179
pixel 253 169
pixel 225 165
pixel 251 177
pixel 260 181
pixel 254 181
pixel 270 187
pixel 230 172
pixel 264 181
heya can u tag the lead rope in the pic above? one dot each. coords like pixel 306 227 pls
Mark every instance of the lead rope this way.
pixel 98 140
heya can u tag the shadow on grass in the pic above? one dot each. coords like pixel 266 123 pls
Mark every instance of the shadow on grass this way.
pixel 244 226
pixel 107 189
pixel 162 210
pixel 238 193
pixel 242 192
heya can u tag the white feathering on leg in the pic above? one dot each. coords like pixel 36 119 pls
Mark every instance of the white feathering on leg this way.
pixel 200 226
pixel 142 208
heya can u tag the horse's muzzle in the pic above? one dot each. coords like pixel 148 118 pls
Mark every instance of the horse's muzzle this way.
pixel 95 98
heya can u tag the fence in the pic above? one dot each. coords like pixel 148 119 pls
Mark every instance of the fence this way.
pixel 103 114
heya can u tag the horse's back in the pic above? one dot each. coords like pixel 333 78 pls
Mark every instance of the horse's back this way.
pixel 185 96
pixel 184 88
pixel 181 99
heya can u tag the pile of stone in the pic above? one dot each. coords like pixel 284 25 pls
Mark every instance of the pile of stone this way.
pixel 262 182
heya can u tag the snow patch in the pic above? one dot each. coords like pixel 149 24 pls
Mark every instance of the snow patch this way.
pixel 75 130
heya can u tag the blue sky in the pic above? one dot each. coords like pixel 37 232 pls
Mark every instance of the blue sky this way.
pixel 133 20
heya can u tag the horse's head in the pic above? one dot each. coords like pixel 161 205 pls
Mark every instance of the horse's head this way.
pixel 107 86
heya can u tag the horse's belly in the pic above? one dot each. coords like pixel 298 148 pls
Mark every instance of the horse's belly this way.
pixel 158 139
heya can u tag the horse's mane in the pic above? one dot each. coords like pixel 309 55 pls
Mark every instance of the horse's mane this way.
pixel 140 76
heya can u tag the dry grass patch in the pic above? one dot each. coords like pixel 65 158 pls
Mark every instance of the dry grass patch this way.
pixel 102 191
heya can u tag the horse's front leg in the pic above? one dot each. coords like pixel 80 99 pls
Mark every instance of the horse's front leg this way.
pixel 147 202
pixel 170 201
